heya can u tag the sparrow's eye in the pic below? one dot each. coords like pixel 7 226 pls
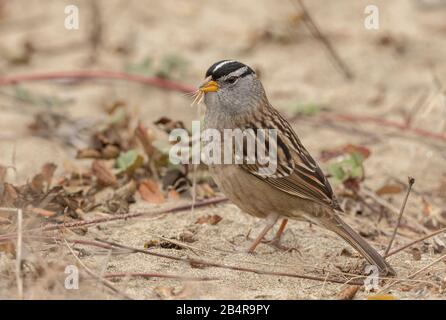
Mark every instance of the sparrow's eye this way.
pixel 231 80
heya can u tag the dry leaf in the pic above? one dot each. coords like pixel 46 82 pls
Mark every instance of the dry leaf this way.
pixel 103 174
pixel 212 220
pixel 329 154
pixel 348 293
pixel 37 184
pixel 7 247
pixel 9 195
pixel 389 189
pixel 48 172
pixel 110 152
pixel 150 192
pixel 41 212
pixel 351 148
pixel 88 153
pixel 146 138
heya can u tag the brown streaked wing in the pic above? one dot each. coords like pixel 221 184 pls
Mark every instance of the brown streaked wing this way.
pixel 297 172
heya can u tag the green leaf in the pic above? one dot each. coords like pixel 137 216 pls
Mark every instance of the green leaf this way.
pixel 349 167
pixel 129 161
pixel 337 171
pixel 357 158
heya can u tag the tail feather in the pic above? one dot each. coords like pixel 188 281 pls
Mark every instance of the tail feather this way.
pixel 337 225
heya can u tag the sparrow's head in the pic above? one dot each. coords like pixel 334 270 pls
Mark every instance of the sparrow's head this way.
pixel 232 87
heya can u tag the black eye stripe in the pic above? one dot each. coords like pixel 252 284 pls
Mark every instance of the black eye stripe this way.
pixel 226 69
pixel 232 79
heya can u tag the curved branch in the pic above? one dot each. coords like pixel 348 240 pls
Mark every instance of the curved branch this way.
pixel 85 75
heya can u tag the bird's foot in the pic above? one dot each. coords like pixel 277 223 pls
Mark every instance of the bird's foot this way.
pixel 276 243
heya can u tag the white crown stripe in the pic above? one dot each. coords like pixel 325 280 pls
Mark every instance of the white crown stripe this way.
pixel 237 72
pixel 222 64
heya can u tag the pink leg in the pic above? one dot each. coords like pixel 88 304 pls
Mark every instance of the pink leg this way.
pixel 271 220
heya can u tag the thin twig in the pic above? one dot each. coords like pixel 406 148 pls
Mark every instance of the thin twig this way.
pixel 105 282
pixel 91 74
pixel 316 32
pixel 413 275
pixel 19 254
pixel 156 275
pixel 385 123
pixel 410 244
pixel 175 86
pixel 403 206
pixel 231 267
pixel 83 223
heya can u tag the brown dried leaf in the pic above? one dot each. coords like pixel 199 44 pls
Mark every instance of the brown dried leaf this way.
pixel 110 152
pixel 7 247
pixel 348 293
pixel 146 138
pixel 88 153
pixel 150 191
pixel 37 184
pixel 389 189
pixel 103 174
pixel 329 154
pixel 41 212
pixel 48 170
pixel 209 219
pixel 9 195
pixel 351 148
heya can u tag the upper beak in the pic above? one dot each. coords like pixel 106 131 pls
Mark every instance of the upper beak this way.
pixel 208 85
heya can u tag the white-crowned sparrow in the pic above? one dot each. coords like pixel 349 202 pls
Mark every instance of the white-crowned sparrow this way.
pixel 235 99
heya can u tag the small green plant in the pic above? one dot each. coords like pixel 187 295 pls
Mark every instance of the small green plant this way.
pixel 350 167
pixel 129 161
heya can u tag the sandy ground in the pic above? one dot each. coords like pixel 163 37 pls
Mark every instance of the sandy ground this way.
pixel 394 67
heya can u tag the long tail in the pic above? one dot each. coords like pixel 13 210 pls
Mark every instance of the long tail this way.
pixel 337 225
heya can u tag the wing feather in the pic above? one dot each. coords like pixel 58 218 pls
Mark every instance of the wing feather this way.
pixel 297 172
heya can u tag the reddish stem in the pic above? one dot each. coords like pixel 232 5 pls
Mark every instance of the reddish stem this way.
pixel 82 75
pixel 175 86
pixel 387 123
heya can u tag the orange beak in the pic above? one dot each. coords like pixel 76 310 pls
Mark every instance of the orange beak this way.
pixel 209 86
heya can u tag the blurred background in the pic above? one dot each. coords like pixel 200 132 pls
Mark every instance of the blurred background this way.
pixel 398 70
pixel 350 79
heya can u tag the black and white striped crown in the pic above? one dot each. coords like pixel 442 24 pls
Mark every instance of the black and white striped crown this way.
pixel 225 68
